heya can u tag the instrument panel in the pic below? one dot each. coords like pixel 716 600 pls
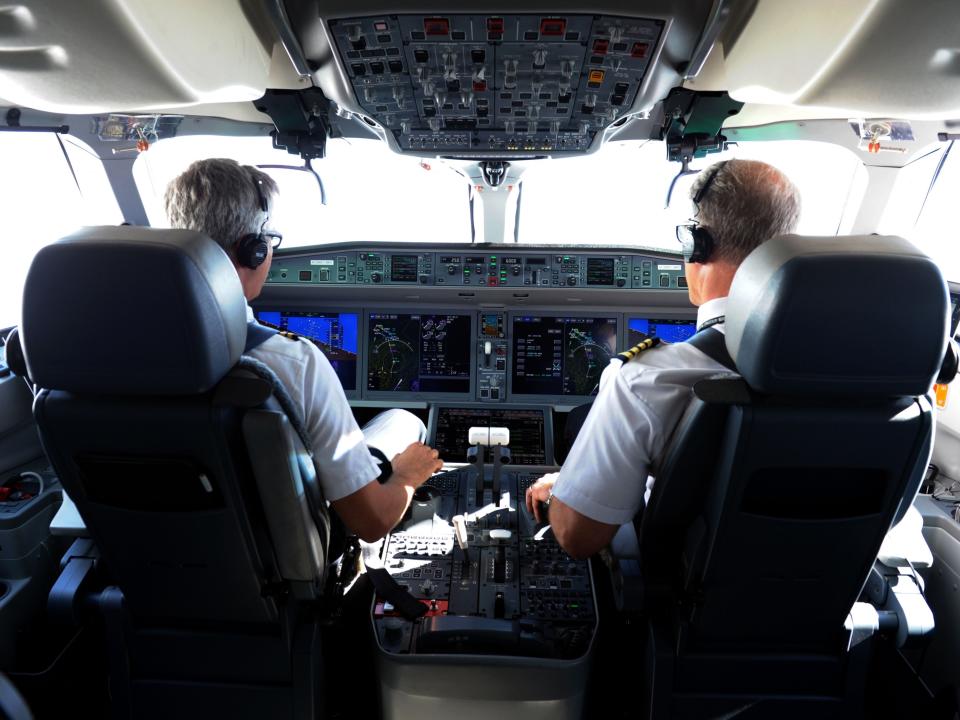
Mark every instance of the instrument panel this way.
pixel 380 353
pixel 472 323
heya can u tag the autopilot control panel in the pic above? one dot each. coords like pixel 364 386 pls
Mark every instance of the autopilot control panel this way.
pixel 479 269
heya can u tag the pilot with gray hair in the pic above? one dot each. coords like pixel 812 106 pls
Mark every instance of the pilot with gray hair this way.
pixel 739 205
pixel 231 203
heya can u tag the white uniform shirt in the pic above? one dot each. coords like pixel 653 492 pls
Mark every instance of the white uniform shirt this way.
pixel 343 462
pixel 636 410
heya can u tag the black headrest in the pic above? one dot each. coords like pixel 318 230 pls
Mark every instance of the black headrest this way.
pixel 14 354
pixel 132 311
pixel 856 316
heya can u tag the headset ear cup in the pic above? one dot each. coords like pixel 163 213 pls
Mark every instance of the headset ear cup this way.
pixel 252 251
pixel 702 245
pixel 951 363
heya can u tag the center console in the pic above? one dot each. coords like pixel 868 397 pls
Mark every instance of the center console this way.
pixel 508 614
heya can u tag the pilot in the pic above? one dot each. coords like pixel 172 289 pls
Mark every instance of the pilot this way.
pixel 230 203
pixel 739 205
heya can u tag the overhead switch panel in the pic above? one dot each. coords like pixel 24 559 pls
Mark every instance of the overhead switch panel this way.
pixel 476 85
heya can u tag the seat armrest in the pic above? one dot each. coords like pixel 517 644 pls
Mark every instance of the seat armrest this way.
pixel 904 543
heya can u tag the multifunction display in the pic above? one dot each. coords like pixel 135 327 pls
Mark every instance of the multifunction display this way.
pixel 419 353
pixel 334 333
pixel 403 268
pixel 527 439
pixel 669 331
pixel 561 355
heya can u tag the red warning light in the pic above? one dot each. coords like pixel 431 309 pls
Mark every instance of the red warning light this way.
pixel 479 85
pixel 553 27
pixel 640 50
pixel 600 47
pixel 436 26
pixel 495 25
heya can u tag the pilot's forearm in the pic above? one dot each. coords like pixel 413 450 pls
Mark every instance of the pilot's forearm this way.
pixel 577 534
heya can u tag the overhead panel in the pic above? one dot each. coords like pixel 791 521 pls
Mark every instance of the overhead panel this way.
pixel 476 85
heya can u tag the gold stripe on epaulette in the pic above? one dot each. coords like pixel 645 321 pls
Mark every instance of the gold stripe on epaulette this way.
pixel 289 335
pixel 628 355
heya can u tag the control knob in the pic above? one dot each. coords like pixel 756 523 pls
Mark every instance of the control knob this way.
pixel 571 280
pixel 621 282
pixel 427 588
pixel 393 629
pixel 375 277
pixel 451 270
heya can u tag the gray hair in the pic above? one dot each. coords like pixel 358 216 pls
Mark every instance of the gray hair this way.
pixel 219 197
pixel 748 203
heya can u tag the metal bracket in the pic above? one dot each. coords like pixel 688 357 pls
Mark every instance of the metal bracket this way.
pixel 301 119
pixel 693 121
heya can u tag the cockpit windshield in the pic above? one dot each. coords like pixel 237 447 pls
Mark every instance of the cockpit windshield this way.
pixel 371 192
pixel 620 192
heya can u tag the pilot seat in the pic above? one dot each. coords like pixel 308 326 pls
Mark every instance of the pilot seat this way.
pixel 783 477
pixel 191 478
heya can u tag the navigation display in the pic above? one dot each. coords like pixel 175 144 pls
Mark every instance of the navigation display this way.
pixel 418 353
pixel 669 331
pixel 334 333
pixel 528 443
pixel 561 355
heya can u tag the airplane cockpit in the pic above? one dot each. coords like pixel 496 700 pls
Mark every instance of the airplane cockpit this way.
pixel 636 456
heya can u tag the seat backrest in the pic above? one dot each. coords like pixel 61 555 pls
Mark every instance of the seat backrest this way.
pixel 778 487
pixel 186 473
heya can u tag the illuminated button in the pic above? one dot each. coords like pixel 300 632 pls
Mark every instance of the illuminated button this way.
pixel 436 26
pixel 553 27
pixel 596 77
pixel 600 47
pixel 380 26
pixel 640 50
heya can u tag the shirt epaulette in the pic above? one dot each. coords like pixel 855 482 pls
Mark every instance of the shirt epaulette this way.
pixel 288 335
pixel 628 355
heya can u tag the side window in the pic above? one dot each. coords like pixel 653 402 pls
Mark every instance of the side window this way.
pixel 935 231
pixel 42 203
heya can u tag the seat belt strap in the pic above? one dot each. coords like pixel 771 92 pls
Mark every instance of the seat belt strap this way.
pixel 257 335
pixel 712 343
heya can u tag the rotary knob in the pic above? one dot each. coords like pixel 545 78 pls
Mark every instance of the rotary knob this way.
pixel 376 277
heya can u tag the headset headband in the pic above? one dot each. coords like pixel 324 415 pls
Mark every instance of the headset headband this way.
pixel 708 183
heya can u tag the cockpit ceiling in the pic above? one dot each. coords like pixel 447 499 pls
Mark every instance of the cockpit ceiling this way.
pixel 787 61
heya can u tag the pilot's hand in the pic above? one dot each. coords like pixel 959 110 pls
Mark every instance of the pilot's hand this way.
pixel 415 464
pixel 538 493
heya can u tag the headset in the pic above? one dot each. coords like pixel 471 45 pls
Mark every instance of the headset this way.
pixel 698 243
pixel 251 250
